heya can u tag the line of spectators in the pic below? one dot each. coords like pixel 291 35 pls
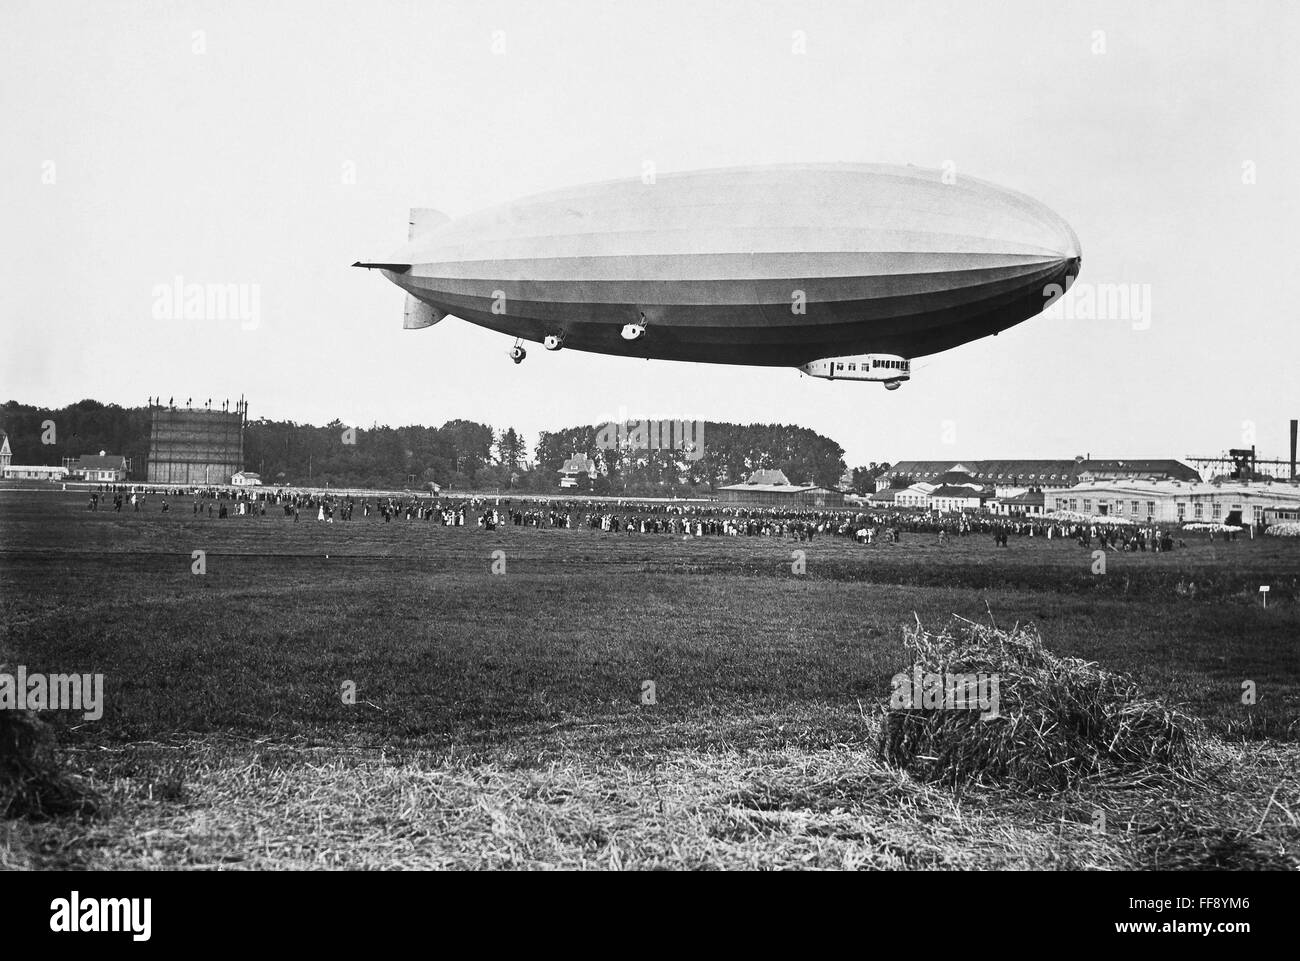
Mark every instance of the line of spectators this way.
pixel 630 517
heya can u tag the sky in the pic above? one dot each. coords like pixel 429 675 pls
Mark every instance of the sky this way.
pixel 270 145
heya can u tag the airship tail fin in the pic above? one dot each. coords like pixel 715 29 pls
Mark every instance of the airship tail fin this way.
pixel 395 268
pixel 418 314
pixel 425 220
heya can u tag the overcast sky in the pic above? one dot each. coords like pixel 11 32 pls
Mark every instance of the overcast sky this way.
pixel 274 143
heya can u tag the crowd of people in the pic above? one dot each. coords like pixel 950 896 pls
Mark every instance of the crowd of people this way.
pixel 630 517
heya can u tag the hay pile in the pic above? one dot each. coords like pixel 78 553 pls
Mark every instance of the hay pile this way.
pixel 32 784
pixel 1061 720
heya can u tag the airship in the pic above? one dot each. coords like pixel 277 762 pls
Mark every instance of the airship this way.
pixel 843 271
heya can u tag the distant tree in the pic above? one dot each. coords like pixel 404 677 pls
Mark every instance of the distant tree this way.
pixel 864 478
pixel 510 455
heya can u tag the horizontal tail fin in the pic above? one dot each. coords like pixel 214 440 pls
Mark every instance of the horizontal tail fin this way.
pixel 395 268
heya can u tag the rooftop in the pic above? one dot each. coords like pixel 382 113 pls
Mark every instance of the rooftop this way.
pixel 100 462
pixel 955 490
pixel 1027 498
pixel 577 464
pixel 773 488
pixel 1028 472
pixel 770 477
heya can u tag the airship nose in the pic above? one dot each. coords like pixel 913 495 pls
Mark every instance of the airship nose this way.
pixel 1050 232
pixel 1070 251
pixel 1070 244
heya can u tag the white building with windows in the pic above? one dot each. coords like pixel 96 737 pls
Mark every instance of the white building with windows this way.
pixel 918 495
pixel 957 497
pixel 101 468
pixel 1174 502
pixel 35 472
pixel 1028 504
pixel 952 490
pixel 1011 477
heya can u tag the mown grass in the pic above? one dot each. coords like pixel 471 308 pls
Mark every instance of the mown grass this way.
pixel 476 677
pixel 218 803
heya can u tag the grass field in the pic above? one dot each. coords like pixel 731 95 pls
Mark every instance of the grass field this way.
pixel 498 717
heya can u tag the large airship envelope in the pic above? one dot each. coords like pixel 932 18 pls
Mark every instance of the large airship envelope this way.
pixel 770 265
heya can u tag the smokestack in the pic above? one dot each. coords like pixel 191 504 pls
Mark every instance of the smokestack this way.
pixel 1293 436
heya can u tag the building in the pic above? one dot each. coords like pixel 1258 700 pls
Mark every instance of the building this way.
pixel 771 488
pixel 196 447
pixel 955 489
pixel 99 468
pixel 957 497
pixel 772 476
pixel 1028 504
pixel 1011 477
pixel 575 467
pixel 35 472
pixel 1281 515
pixel 777 495
pixel 1173 502
pixel 1096 471
pixel 6 455
pixel 246 478
pixel 918 495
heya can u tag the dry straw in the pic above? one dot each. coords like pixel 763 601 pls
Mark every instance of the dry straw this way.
pixel 32 783
pixel 1061 720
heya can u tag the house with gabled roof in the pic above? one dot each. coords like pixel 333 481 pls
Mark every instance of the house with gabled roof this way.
pixel 575 467
pixel 102 468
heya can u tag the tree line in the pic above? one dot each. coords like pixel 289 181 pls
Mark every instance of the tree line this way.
pixel 690 458
pixel 459 455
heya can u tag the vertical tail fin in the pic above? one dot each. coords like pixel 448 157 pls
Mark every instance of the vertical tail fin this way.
pixel 418 314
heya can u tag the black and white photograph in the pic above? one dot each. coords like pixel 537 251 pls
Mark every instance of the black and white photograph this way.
pixel 625 436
